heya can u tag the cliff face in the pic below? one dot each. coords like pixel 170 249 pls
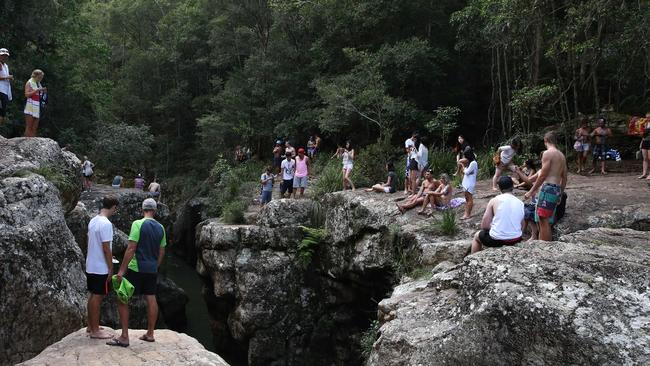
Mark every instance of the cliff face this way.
pixel 42 284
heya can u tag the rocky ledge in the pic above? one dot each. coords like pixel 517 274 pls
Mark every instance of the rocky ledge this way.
pixel 170 348
pixel 584 300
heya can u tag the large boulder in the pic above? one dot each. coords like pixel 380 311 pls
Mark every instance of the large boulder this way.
pixel 579 303
pixel 42 283
pixel 183 231
pixel 170 348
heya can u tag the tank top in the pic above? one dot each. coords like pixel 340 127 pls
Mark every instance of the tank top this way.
pixel 506 223
pixel 301 167
pixel 346 158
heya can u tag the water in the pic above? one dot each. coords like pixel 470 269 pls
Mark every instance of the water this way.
pixel 185 277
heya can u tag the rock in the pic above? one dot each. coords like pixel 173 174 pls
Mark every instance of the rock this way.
pixel 187 217
pixel 42 283
pixel 628 238
pixel 437 252
pixel 286 212
pixel 170 348
pixel 539 303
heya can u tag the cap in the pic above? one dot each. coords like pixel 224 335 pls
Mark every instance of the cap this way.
pixel 4 51
pixel 301 150
pixel 149 204
pixel 505 183
pixel 278 142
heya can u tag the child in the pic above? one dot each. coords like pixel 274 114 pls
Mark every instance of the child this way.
pixel 267 185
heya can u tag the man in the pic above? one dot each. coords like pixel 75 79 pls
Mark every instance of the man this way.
pixel 99 263
pixel 288 167
pixel 552 179
pixel 5 84
pixel 503 221
pixel 302 173
pixel 154 189
pixel 601 133
pixel 288 149
pixel 142 259
pixel 138 183
pixel 409 148
pixel 429 185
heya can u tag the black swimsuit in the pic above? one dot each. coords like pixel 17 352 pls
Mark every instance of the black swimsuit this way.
pixel 645 143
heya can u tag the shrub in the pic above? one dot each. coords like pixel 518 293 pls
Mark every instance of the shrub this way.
pixel 307 247
pixel 368 338
pixel 233 212
pixel 485 164
pixel 447 224
pixel 329 179
pixel 442 161
pixel 370 162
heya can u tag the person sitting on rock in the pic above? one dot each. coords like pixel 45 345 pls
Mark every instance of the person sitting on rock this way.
pixel 99 264
pixel 428 185
pixel 440 197
pixel 527 170
pixel 391 181
pixel 503 221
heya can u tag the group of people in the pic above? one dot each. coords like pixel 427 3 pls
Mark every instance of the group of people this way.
pixel 294 170
pixel 35 93
pixel 598 146
pixel 153 190
pixel 139 268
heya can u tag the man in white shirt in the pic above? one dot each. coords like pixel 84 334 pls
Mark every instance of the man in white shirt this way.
pixel 99 263
pixel 288 168
pixel 503 220
pixel 5 84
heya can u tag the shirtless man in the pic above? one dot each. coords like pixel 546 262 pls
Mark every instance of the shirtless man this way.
pixel 428 185
pixel 552 178
pixel 601 133
pixel 154 190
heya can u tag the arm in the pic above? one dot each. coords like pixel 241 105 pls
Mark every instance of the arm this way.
pixel 161 255
pixel 108 256
pixel 29 91
pixel 541 176
pixel 128 255
pixel 387 184
pixel 486 222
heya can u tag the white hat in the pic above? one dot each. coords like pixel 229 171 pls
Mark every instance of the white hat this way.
pixel 149 204
pixel 4 51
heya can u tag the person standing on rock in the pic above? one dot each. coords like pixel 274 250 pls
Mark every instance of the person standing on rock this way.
pixel 503 220
pixel 288 168
pixel 552 179
pixel 155 190
pixel 277 156
pixel 5 84
pixel 506 160
pixel 409 146
pixel 87 170
pixel 138 182
pixel 644 146
pixel 33 92
pixel 599 151
pixel 267 186
pixel 302 173
pixel 99 263
pixel 143 256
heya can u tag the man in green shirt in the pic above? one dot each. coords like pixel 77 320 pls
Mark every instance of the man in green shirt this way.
pixel 142 259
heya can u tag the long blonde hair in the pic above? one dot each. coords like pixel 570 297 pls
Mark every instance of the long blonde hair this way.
pixel 36 73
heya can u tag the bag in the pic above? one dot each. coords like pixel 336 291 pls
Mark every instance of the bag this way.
pixel 496 159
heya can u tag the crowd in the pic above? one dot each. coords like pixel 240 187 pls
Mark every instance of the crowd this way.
pixel 153 190
pixel 35 93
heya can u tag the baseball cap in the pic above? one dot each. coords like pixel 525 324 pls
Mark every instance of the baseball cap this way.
pixel 4 51
pixel 149 204
pixel 301 150
pixel 278 142
pixel 505 183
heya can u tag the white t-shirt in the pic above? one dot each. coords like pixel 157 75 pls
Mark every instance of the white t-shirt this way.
pixel 5 85
pixel 100 230
pixel 507 153
pixel 508 215
pixel 469 178
pixel 423 156
pixel 288 169
pixel 409 143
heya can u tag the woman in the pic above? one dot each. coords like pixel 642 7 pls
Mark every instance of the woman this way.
pixel 311 147
pixel 645 147
pixel 441 196
pixel 460 149
pixel 347 156
pixel 87 170
pixel 527 171
pixel 469 182
pixel 391 182
pixel 505 155
pixel 581 146
pixel 33 92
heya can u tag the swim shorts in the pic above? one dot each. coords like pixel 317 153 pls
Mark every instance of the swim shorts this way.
pixel 144 283
pixel 97 283
pixel 599 151
pixel 547 201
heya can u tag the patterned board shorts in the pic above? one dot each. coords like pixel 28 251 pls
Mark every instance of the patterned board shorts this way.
pixel 599 151
pixel 547 201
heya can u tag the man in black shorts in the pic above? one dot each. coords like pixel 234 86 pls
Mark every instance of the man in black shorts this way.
pixel 142 259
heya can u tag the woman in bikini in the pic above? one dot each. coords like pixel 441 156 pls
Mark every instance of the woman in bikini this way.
pixel 645 147
pixel 440 197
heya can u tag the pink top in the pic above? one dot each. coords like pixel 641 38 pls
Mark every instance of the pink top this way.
pixel 301 167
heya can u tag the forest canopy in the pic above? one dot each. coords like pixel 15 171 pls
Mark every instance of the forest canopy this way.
pixel 193 78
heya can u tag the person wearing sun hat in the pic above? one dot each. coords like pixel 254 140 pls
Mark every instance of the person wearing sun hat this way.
pixel 5 84
pixel 143 256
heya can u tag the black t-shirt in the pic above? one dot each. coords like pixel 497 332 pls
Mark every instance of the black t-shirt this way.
pixel 393 180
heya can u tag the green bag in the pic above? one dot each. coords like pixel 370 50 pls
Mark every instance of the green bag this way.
pixel 124 290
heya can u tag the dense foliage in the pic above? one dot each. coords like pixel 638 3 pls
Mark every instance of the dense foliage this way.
pixel 191 79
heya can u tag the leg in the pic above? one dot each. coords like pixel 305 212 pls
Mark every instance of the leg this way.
pixel 302 192
pixel 123 310
pixel 347 177
pixel 28 126
pixel 476 244
pixel 602 167
pixel 94 305
pixel 343 180
pixel 152 314
pixel 497 174
pixel 534 231
pixel 35 127
pixel 545 232
pixel 644 154
pixel 469 205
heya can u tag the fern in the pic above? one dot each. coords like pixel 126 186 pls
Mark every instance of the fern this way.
pixel 307 247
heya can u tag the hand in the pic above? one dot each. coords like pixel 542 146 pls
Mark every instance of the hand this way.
pixel 528 195
pixel 119 277
pixel 43 89
pixel 10 77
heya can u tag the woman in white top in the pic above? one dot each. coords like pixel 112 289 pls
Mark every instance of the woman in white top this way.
pixel 506 160
pixel 87 170
pixel 469 181
pixel 33 93
pixel 347 156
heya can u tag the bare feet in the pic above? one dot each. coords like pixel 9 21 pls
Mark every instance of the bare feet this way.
pixel 603 172
pixel 401 210
pixel 146 338
pixel 88 329
pixel 592 171
pixel 495 188
pixel 642 176
pixel 368 189
pixel 421 212
pixel 101 335
pixel 466 217
pixel 578 171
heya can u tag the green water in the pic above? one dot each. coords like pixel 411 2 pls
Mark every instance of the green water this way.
pixel 185 277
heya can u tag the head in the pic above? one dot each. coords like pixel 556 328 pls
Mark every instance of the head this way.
pixel 348 145
pixel 461 139
pixel 516 144
pixel 550 138
pixel 268 170
pixel 109 205
pixel 469 155
pixel 301 152
pixel 505 184
pixel 4 55
pixel 85 157
pixel 149 207
pixel 428 174
pixel 288 155
pixel 601 122
pixel 444 178
pixel 583 123
pixel 647 114
pixel 278 143
pixel 423 140
pixel 38 75
pixel 414 135
pixel 530 164
pixel 390 167
pixel 287 144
